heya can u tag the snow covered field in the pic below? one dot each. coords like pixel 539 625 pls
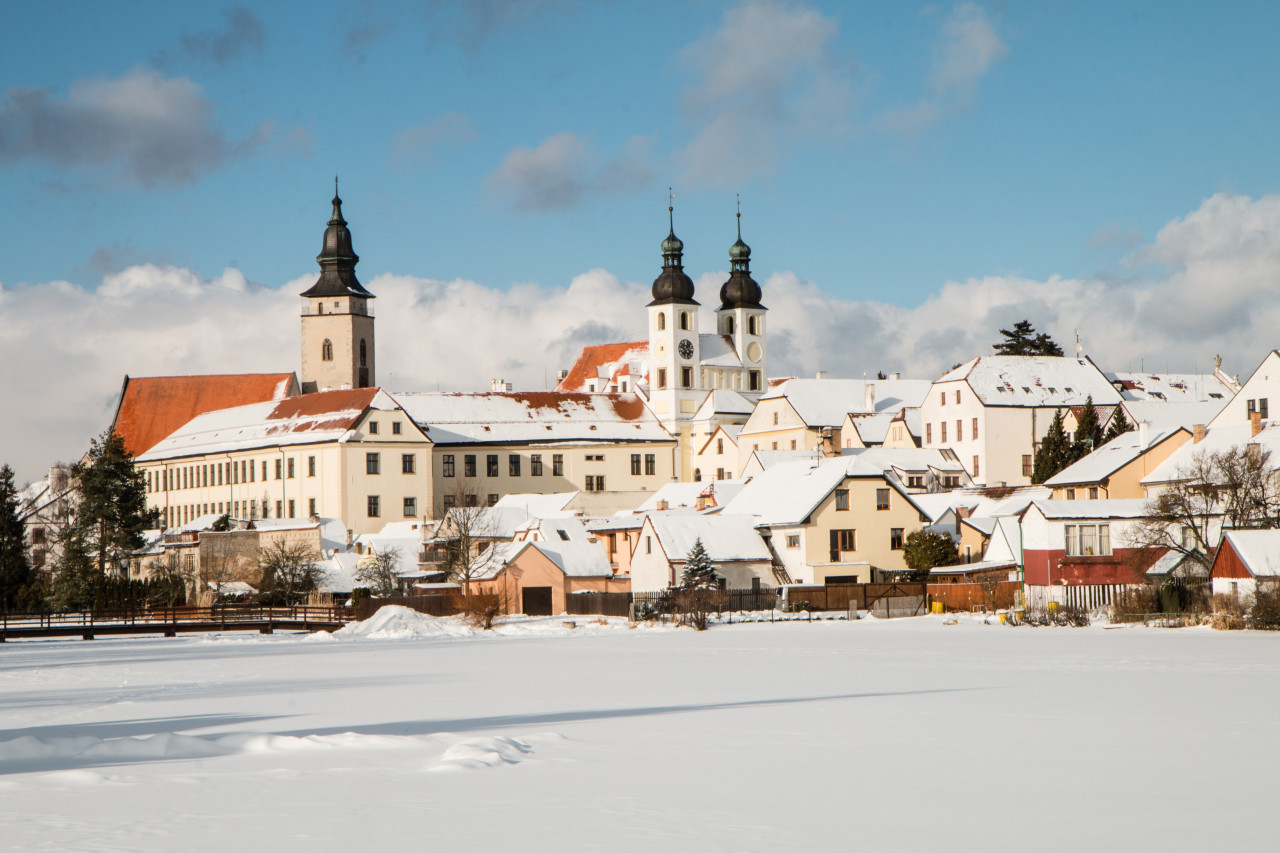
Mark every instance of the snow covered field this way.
pixel 903 735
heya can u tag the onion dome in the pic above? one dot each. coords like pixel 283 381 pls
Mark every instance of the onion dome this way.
pixel 337 259
pixel 741 290
pixel 672 284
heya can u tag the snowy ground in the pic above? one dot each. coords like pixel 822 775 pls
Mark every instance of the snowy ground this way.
pixel 416 734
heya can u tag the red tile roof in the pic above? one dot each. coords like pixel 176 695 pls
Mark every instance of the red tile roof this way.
pixel 588 365
pixel 152 407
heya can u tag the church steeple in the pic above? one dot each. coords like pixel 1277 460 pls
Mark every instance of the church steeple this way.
pixel 672 284
pixel 337 259
pixel 741 290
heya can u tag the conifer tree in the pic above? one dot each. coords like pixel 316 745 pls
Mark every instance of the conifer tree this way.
pixel 698 572
pixel 1119 425
pixel 16 573
pixel 112 512
pixel 1023 340
pixel 1055 452
pixel 1088 430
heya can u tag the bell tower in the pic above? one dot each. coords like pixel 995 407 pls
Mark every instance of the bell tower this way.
pixel 337 319
pixel 674 346
pixel 741 317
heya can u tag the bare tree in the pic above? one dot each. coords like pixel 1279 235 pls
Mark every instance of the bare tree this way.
pixel 1227 489
pixel 470 536
pixel 289 572
pixel 378 571
pixel 177 577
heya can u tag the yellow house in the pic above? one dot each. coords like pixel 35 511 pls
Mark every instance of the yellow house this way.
pixel 1116 469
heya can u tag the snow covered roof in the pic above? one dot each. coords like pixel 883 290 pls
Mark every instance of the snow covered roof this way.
pixel 872 429
pixel 1110 457
pixel 532 417
pixel 1167 416
pixel 724 401
pixel 305 419
pixel 575 559
pixel 1034 380
pixel 539 506
pixel 1087 510
pixel 769 458
pixel 1259 550
pixel 725 537
pixel 986 501
pixel 967 568
pixel 604 365
pixel 717 351
pixel 494 522
pixel 678 495
pixel 826 402
pixel 1172 387
pixel 1216 440
pixel 1169 563
pixel 152 407
pixel 788 492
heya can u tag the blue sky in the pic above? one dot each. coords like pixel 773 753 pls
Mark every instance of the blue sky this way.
pixel 1078 132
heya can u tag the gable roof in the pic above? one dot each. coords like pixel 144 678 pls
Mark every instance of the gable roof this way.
pixel 788 492
pixel 826 402
pixel 152 407
pixel 723 401
pixel 1258 550
pixel 576 559
pixel 1216 439
pixel 686 494
pixel 1164 416
pixel 607 362
pixel 305 419
pixel 525 416
pixel 1110 457
pixel 724 537
pixel 1086 510
pixel 1034 380
pixel 1172 387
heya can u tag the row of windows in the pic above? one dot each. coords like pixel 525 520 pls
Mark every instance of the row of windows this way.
pixel 721 474
pixel 942 432
pixel 843 541
pixel 646 463
pixel 176 516
pixel 1088 540
pixel 326 349
pixel 755 323
pixel 246 471
pixel 686 378
pixel 373 463
pixel 409 506
pixel 1093 493
pixel 842 499
pixel 451 501
pixel 942 397
pixel 372 426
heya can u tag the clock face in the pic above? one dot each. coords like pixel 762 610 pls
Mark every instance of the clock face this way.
pixel 686 348
pixel 753 351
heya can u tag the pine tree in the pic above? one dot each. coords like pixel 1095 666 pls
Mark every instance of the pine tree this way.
pixel 924 549
pixel 698 572
pixel 112 513
pixel 1055 452
pixel 1023 340
pixel 16 573
pixel 1119 425
pixel 1088 430
pixel 76 580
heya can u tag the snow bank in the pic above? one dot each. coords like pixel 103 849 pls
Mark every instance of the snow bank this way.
pixel 394 622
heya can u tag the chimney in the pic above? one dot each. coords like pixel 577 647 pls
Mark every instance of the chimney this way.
pixel 499 385
pixel 895 375
pixel 1197 433
pixel 871 397
pixel 701 503
pixel 1255 423
pixel 348 537
pixel 562 375
pixel 1143 429
pixel 662 505
pixel 821 374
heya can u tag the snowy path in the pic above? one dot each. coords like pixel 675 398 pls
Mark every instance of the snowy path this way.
pixel 908 735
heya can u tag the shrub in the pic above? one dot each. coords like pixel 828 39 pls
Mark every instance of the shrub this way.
pixel 1135 601
pixel 482 609
pixel 1265 614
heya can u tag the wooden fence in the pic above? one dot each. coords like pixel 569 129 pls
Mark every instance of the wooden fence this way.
pixel 432 605
pixel 598 604
pixel 968 596
pixel 846 596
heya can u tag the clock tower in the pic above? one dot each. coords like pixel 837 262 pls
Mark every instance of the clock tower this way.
pixel 674 358
pixel 740 317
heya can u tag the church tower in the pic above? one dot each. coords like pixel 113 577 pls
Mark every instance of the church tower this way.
pixel 741 317
pixel 337 323
pixel 674 347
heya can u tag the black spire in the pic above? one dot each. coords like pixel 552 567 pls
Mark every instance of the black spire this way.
pixel 337 259
pixel 672 284
pixel 741 290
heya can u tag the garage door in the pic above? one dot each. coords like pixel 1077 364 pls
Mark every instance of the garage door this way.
pixel 536 600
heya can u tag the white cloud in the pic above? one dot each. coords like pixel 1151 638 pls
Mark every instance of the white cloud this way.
pixel 563 170
pixel 968 46
pixel 1214 292
pixel 762 83
pixel 419 142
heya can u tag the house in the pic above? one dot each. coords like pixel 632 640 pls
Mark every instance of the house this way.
pixel 717 458
pixel 1246 561
pixel 1116 469
pixel 44 508
pixel 352 454
pixel 697 496
pixel 487 445
pixel 1254 397
pixel 738 554
pixel 535 577
pixel 1176 467
pixel 1077 552
pixel 882 429
pixel 994 410
pixel 1176 387
pixel 975 518
pixel 618 536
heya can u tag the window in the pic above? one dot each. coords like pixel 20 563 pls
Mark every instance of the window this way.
pixel 469 465
pixel 882 498
pixel 1093 493
pixel 279 509
pixel 535 465
pixel 373 427
pixel 364 355
pixel 648 544
pixel 928 433
pixel 1027 466
pixel 311 507
pixel 973 431
pixel 635 464
pixel 775 446
pixel 976 471
pixel 942 397
pixel 1262 407
pixel 895 538
pixel 292 513
pixel 662 321
pixel 491 465
pixel 720 447
pixel 326 350
pixel 753 324
pixel 842 499
pixel 942 432
pixel 728 325
pixel 395 427
pixel 662 377
pixel 650 464
pixel 775 418
pixel 959 430
pixel 720 474
pixel 793 540
pixel 372 464
pixel 557 464
pixel 291 461
pixel 793 444
pixel 957 396
pixel 450 501
pixel 684 320
pixel 311 466
pixel 842 541
pixel 595 483
pixel 915 481
pixel 753 380
pixel 279 470
pixel 513 465
pixel 408 463
pixel 563 534
pixel 697 475
pixel 446 465
pixel 410 507
pixel 493 499
pixel 686 377
pixel 1087 540
pixel 374 506
pixel 1071 494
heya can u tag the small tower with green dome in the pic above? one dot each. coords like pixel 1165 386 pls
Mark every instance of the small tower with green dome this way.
pixel 675 380
pixel 741 317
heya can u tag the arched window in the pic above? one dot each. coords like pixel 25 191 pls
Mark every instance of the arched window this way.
pixel 326 350
pixel 697 475
pixel 728 325
pixel 753 325
pixel 662 322
pixel 364 358
pixel 684 320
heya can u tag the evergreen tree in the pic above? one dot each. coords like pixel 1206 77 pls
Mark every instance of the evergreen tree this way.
pixel 112 512
pixel 16 573
pixel 1088 430
pixel 1055 452
pixel 1023 340
pixel 923 549
pixel 1119 425
pixel 76 579
pixel 698 572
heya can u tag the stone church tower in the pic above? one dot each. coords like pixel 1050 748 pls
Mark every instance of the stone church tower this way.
pixel 675 380
pixel 337 324
pixel 741 317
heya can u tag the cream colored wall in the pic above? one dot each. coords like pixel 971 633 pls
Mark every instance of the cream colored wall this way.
pixel 624 544
pixel 345 331
pixel 616 469
pixel 872 526
pixel 650 568
pixel 708 460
